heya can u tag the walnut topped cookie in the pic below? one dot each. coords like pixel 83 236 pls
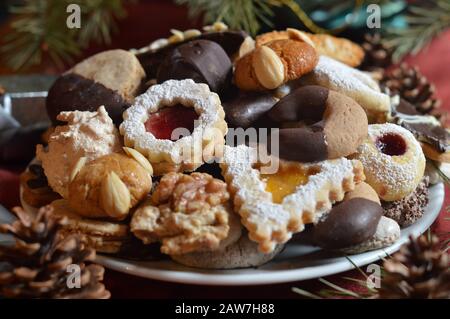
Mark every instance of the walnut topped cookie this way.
pixel 187 213
pixel 177 125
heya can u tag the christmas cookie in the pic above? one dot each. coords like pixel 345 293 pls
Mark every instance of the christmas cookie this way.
pixel 34 187
pixel 353 83
pixel 274 64
pixel 275 203
pixel 409 209
pixel 330 124
pixel 153 55
pixel 110 186
pixel 187 213
pixel 105 236
pixel 356 224
pixel 85 134
pixel 154 123
pixel 393 161
pixel 110 78
pixel 202 61
pixel 340 49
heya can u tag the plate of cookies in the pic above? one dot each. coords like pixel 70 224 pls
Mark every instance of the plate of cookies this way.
pixel 215 158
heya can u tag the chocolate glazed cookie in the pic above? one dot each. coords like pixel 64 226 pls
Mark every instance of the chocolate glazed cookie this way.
pixel 318 124
pixel 200 60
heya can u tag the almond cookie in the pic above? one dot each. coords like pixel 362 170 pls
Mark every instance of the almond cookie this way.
pixel 158 118
pixel 353 83
pixel 340 49
pixel 322 124
pixel 274 64
pixel 110 185
pixel 274 204
pixel 393 161
pixel 85 134
pixel 110 78
pixel 187 213
pixel 34 187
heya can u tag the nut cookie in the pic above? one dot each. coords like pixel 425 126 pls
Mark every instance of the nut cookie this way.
pixel 187 213
pixel 151 123
pixel 274 206
pixel 274 64
pixel 110 185
pixel 340 49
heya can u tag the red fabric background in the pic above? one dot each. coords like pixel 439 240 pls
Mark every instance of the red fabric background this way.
pixel 434 62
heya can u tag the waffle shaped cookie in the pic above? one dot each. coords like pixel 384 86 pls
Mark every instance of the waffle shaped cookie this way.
pixel 190 151
pixel 274 206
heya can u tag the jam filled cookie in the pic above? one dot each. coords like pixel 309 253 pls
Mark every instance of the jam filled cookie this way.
pixel 274 64
pixel 393 161
pixel 154 123
pixel 110 78
pixel 353 83
pixel 110 186
pixel 202 61
pixel 85 134
pixel 331 125
pixel 340 49
pixel 187 213
pixel 275 203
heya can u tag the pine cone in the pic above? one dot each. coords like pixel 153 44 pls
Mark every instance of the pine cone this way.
pixel 419 270
pixel 36 265
pixel 378 56
pixel 412 86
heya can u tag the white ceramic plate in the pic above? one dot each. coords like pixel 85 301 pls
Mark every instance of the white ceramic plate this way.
pixel 297 262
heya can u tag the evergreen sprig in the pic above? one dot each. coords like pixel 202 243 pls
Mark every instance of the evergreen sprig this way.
pixel 39 28
pixel 425 21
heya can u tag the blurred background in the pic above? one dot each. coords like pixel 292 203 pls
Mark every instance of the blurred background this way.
pixel 34 37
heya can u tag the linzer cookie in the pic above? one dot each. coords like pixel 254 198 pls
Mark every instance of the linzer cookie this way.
pixel 274 64
pixel 274 206
pixel 393 161
pixel 322 124
pixel 160 125
pixel 110 78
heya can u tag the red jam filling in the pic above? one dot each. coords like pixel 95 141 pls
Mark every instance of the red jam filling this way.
pixel 162 123
pixel 391 144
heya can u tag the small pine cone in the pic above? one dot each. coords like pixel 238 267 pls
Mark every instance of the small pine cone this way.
pixel 36 265
pixel 419 270
pixel 412 86
pixel 378 56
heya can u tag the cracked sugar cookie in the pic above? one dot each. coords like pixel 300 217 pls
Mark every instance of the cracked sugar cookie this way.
pixel 177 125
pixel 274 206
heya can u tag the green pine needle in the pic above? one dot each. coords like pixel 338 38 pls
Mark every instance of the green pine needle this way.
pixel 39 28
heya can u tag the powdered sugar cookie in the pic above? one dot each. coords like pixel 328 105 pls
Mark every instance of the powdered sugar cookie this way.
pixel 151 125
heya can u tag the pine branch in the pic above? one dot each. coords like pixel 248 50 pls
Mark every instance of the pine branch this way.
pixel 39 28
pixel 425 22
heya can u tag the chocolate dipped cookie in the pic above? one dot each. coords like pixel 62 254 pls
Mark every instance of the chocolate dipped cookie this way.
pixel 111 78
pixel 318 124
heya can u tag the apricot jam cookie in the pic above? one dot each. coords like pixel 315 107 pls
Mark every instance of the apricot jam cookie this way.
pixel 186 213
pixel 274 206
pixel 151 125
